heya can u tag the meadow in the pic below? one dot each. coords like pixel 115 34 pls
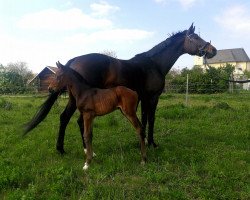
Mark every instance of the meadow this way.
pixel 203 152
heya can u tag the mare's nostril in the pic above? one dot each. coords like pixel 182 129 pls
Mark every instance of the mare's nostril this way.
pixel 215 51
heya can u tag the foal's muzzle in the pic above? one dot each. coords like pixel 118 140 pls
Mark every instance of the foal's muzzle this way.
pixel 51 90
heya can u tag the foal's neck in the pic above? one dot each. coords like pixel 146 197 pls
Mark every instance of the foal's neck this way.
pixel 76 84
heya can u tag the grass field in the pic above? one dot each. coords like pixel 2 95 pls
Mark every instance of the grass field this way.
pixel 203 152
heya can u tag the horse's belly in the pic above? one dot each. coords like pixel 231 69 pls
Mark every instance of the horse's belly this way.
pixel 105 103
pixel 103 109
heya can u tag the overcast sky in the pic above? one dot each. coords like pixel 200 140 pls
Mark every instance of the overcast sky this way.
pixel 41 32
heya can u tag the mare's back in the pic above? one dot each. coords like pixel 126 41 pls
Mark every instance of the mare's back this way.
pixel 96 68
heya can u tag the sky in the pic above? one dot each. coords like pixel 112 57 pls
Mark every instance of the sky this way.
pixel 41 32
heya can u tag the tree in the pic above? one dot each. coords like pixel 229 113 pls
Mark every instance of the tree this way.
pixel 210 80
pixel 247 74
pixel 110 53
pixel 21 69
pixel 14 77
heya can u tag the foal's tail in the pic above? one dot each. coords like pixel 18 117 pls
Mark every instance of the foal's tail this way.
pixel 42 112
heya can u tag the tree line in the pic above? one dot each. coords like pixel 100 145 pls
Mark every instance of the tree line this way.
pixel 14 78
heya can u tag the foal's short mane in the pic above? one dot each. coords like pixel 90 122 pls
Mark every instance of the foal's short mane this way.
pixel 79 77
pixel 163 45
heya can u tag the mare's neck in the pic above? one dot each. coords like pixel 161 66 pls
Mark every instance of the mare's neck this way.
pixel 166 59
pixel 165 54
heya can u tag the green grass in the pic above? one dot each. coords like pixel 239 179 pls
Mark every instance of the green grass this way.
pixel 203 152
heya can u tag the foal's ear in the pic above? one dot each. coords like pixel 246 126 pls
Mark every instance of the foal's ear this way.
pixel 60 66
pixel 191 29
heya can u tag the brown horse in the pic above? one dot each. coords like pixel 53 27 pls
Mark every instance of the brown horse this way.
pixel 145 73
pixel 92 102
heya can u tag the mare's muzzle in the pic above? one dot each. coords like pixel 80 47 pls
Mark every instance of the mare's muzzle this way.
pixel 207 50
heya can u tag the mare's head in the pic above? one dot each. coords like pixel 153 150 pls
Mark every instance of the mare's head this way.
pixel 61 80
pixel 195 45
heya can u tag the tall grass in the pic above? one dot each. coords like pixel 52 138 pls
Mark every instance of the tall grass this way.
pixel 203 153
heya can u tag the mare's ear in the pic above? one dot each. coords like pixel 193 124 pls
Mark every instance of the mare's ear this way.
pixel 191 29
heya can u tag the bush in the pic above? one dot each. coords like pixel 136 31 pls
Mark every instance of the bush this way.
pixel 211 80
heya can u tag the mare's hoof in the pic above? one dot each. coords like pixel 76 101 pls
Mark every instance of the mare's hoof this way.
pixel 152 143
pixel 60 150
pixel 155 145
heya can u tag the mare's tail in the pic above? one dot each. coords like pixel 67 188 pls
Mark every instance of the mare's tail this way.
pixel 42 112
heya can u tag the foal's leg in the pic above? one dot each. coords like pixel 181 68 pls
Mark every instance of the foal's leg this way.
pixel 140 132
pixel 81 126
pixel 64 120
pixel 88 118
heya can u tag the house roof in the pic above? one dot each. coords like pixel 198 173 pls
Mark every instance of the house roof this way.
pixel 52 69
pixel 229 55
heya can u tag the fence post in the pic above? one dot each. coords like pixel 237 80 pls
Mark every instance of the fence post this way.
pixel 231 84
pixel 187 92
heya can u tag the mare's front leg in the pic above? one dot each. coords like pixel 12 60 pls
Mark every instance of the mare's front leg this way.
pixel 151 120
pixel 88 119
pixel 64 120
pixel 144 114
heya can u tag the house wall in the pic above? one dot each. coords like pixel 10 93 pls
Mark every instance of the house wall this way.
pixel 45 78
pixel 248 66
pixel 198 60
pixel 243 65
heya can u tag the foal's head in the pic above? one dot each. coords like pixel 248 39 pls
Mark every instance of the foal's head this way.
pixel 195 45
pixel 61 80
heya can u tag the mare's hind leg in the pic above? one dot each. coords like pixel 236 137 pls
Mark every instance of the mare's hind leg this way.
pixel 64 120
pixel 88 118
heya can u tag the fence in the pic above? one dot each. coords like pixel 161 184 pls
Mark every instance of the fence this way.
pixel 188 87
pixel 200 88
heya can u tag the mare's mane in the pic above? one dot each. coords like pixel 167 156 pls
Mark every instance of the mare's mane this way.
pixel 163 45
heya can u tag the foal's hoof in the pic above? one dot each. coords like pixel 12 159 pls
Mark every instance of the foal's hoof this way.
pixel 143 162
pixel 85 167
pixel 85 151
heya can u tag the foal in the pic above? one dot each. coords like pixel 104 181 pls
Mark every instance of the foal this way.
pixel 92 102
